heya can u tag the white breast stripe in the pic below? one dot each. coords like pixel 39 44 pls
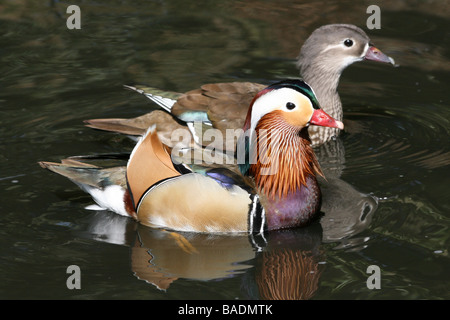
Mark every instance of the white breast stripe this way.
pixel 263 222
pixel 256 217
pixel 252 214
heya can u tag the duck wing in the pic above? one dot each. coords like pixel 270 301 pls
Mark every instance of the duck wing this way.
pixel 220 106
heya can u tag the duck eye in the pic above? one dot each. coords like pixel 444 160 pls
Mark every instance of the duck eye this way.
pixel 290 105
pixel 348 42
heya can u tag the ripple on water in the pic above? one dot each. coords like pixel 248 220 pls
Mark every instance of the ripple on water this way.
pixel 417 136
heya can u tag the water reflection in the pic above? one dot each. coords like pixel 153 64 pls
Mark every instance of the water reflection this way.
pixel 281 265
pixel 289 267
pixel 161 257
pixel 347 211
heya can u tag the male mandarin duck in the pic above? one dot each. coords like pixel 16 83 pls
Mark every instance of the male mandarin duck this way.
pixel 272 186
pixel 323 58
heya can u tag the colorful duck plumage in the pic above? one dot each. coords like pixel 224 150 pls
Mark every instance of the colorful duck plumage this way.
pixel 272 185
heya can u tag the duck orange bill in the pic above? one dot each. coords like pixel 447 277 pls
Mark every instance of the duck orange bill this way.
pixel 375 54
pixel 321 118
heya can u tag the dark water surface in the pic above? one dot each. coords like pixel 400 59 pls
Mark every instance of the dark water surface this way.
pixel 388 206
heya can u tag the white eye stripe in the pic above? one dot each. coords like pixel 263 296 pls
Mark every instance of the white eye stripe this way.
pixel 342 45
pixel 332 46
pixel 275 100
pixel 272 101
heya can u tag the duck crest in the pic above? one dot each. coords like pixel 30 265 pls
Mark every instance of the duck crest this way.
pixel 281 158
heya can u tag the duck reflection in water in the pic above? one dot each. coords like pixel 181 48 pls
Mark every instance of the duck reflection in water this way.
pixel 346 211
pixel 289 267
pixel 284 264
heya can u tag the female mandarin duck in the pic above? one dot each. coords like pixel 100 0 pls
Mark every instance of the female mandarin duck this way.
pixel 323 58
pixel 273 187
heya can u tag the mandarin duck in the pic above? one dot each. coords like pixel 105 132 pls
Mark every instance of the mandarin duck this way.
pixel 322 59
pixel 272 186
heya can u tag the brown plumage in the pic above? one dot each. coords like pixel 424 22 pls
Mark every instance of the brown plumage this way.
pixel 221 101
pixel 284 157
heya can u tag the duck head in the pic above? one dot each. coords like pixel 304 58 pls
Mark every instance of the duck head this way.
pixel 293 102
pixel 336 46
pixel 276 143
pixel 323 58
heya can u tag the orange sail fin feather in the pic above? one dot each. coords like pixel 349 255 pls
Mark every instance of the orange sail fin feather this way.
pixel 149 163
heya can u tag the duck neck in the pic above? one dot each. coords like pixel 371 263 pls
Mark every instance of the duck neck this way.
pixel 284 166
pixel 324 79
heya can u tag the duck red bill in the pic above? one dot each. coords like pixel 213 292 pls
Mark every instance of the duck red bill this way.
pixel 321 118
pixel 375 54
